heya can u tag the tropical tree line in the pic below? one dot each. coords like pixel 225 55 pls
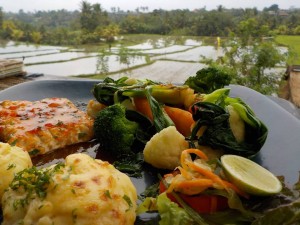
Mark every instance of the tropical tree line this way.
pixel 250 49
pixel 93 24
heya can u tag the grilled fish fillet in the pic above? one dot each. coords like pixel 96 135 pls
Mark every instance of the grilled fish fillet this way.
pixel 42 126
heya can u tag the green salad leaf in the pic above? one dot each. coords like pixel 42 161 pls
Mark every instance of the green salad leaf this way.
pixel 171 213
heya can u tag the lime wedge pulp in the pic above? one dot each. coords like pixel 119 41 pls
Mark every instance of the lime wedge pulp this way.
pixel 250 176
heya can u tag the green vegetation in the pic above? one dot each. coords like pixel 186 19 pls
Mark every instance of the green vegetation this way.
pixel 114 131
pixel 209 79
pixel 231 124
pixel 93 24
pixel 112 91
pixel 293 43
pixel 248 35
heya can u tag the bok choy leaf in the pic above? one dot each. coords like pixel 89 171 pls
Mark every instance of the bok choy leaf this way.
pixel 213 114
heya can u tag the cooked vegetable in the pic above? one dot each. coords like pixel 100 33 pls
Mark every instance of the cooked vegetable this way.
pixel 237 124
pixel 209 79
pixel 116 133
pixel 194 198
pixel 201 203
pixel 142 105
pixel 197 175
pixel 182 119
pixel 94 107
pixel 230 124
pixel 161 120
pixel 112 91
pixel 163 150
pixel 171 213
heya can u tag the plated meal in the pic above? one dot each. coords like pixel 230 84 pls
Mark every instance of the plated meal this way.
pixel 199 149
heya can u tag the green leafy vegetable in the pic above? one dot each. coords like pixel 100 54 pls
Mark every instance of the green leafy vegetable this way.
pixel 285 214
pixel 160 118
pixel 131 164
pixel 209 79
pixel 111 92
pixel 151 191
pixel 280 209
pixel 171 213
pixel 213 113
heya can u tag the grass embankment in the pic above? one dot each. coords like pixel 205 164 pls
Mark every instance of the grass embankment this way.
pixel 293 43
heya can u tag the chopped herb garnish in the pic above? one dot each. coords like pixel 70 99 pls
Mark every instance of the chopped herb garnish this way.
pixel 14 142
pixel 81 135
pixel 74 215
pixel 128 200
pixel 131 165
pixel 10 166
pixel 34 152
pixel 34 182
pixel 151 191
pixel 59 123
pixel 107 194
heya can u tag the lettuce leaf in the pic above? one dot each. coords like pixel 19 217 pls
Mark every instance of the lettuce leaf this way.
pixel 171 213
pixel 283 208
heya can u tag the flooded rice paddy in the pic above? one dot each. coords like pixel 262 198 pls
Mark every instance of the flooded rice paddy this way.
pixel 162 59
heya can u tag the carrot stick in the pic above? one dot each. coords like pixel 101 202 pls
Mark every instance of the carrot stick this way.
pixel 185 154
pixel 197 152
pixel 184 173
pixel 142 106
pixel 200 182
pixel 209 174
pixel 182 119
pixel 195 186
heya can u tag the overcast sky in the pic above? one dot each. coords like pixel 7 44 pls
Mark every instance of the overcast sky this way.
pixel 35 5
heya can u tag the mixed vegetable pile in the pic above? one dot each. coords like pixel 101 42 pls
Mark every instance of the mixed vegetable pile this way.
pixel 182 132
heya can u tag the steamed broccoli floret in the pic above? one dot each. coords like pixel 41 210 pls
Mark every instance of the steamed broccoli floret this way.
pixel 114 131
pixel 209 79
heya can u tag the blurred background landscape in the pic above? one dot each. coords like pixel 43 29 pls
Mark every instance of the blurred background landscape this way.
pixel 255 45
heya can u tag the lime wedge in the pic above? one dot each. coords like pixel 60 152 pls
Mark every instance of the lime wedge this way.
pixel 250 176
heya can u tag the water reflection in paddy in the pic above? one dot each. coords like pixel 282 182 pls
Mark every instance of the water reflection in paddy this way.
pixel 21 55
pixel 63 61
pixel 17 48
pixel 194 54
pixel 58 57
pixel 84 66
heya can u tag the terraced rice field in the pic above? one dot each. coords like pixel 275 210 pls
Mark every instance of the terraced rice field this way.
pixel 161 59
pixel 166 71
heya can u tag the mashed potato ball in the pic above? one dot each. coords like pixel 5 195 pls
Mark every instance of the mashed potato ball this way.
pixel 12 160
pixel 83 191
